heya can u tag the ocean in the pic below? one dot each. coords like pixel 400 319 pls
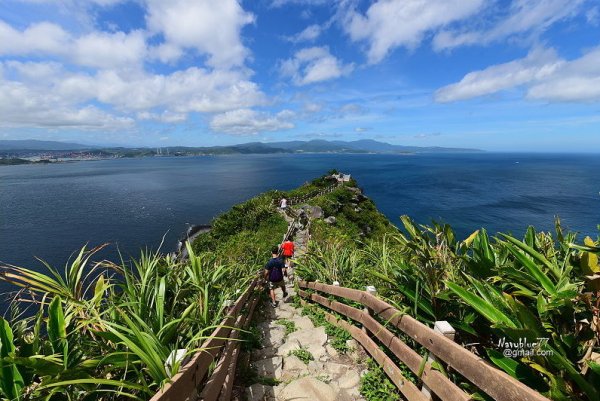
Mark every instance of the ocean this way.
pixel 50 211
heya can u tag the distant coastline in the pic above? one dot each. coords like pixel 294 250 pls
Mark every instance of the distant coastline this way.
pixel 21 152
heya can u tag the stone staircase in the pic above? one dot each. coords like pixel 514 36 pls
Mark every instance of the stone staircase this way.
pixel 329 376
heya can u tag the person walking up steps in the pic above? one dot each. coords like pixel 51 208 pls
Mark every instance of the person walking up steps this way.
pixel 275 270
pixel 287 252
pixel 283 204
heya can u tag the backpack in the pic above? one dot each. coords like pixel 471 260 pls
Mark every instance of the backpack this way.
pixel 276 274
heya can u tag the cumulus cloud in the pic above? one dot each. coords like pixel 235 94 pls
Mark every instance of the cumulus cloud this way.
pixel 522 17
pixel 538 64
pixel 190 90
pixel 542 72
pixel 388 24
pixel 96 49
pixel 209 27
pixel 109 50
pixel 313 64
pixel 103 79
pixel 248 122
pixel 40 38
pixel 22 106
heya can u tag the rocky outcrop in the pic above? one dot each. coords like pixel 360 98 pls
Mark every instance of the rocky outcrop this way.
pixel 312 212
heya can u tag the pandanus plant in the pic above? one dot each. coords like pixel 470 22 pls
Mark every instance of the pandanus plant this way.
pixel 534 290
pixel 422 259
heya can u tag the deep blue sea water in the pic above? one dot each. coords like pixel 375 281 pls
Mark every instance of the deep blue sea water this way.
pixel 50 211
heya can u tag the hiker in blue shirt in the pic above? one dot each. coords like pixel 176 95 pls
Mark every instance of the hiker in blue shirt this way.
pixel 275 270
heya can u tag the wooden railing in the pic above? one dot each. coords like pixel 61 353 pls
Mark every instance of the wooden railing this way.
pixel 223 346
pixel 494 382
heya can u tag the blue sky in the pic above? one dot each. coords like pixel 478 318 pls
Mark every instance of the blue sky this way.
pixel 511 75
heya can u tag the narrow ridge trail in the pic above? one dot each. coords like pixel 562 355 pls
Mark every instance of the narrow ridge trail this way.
pixel 329 376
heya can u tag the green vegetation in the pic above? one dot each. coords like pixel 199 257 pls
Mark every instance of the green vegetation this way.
pixel 246 233
pixel 303 354
pixel 16 161
pixel 250 376
pixel 376 386
pixel 97 335
pixel 289 326
pixel 490 289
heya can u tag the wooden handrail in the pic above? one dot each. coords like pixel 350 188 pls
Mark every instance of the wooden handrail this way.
pixel 494 382
pixel 187 381
pixel 440 384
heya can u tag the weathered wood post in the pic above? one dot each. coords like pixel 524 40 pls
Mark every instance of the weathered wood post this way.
pixel 445 329
pixel 373 291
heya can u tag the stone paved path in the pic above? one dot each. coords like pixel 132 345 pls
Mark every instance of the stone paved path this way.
pixel 329 376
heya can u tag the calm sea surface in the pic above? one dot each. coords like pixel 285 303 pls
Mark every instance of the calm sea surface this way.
pixel 50 211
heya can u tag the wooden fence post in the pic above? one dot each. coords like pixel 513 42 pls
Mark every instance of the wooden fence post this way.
pixel 445 329
pixel 373 291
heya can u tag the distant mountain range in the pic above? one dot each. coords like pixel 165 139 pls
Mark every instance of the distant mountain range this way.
pixel 313 146
pixel 33 144
pixel 360 146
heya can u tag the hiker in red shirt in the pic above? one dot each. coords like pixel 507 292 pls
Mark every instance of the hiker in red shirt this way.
pixel 287 252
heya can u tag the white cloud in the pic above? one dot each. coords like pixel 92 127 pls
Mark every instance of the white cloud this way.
pixel 388 24
pixel 544 75
pixel 313 64
pixel 522 17
pixel 210 27
pixel 311 107
pixel 576 81
pixel 538 64
pixel 40 38
pixel 46 85
pixel 247 122
pixel 104 76
pixel 308 34
pixel 96 49
pixel 110 50
pixel 190 90
pixel 22 106
pixel 164 117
